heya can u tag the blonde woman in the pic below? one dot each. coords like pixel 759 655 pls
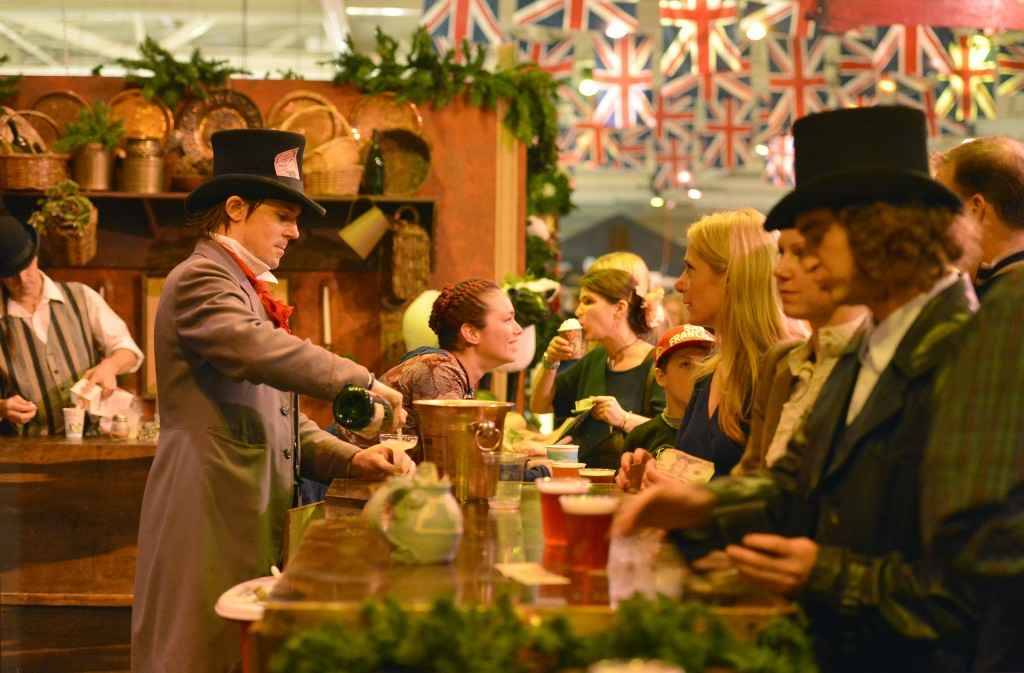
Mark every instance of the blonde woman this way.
pixel 728 284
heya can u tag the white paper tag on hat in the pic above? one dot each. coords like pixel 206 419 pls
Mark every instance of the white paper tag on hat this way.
pixel 286 164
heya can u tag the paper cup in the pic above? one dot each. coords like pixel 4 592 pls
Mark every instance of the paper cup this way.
pixel 74 422
pixel 563 453
pixel 575 339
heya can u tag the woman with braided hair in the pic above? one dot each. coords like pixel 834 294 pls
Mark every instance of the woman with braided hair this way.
pixel 477 332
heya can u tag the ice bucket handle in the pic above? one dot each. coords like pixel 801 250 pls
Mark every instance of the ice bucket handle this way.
pixel 487 435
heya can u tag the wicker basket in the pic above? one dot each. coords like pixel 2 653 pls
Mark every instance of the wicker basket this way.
pixel 70 247
pixel 32 171
pixel 336 182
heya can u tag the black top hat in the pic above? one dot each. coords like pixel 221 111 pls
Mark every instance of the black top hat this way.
pixel 859 156
pixel 18 245
pixel 254 164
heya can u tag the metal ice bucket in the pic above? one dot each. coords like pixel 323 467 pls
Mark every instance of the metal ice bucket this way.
pixel 455 434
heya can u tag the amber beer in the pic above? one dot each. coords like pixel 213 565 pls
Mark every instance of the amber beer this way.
pixel 588 520
pixel 551 514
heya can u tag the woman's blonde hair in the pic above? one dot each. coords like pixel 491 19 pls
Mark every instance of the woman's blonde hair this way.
pixel 736 246
pixel 629 262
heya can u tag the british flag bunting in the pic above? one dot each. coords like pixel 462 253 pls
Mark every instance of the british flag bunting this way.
pixel 673 164
pixel 624 76
pixel 701 36
pixel 576 15
pixel 727 136
pixel 449 22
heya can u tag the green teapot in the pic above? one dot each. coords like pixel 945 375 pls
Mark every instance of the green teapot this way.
pixel 418 515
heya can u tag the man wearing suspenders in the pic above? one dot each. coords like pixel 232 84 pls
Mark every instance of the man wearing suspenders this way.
pixel 51 335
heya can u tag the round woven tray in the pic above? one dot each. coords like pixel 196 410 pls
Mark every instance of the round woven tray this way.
pixel 336 182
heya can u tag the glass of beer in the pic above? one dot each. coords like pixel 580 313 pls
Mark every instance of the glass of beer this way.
pixel 588 519
pixel 566 470
pixel 552 518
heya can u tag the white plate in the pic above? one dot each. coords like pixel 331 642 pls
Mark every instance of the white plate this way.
pixel 241 601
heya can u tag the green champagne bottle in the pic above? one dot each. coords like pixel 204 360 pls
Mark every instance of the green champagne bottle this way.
pixel 373 173
pixel 362 412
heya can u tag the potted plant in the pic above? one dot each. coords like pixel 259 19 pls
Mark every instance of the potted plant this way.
pixel 92 138
pixel 66 222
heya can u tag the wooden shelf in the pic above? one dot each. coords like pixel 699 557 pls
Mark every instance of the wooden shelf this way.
pixel 180 196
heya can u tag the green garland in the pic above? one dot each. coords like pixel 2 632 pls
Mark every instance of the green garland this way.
pixel 448 639
pixel 424 76
pixel 8 85
pixel 171 80
pixel 549 193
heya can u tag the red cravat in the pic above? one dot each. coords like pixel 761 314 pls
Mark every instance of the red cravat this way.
pixel 277 311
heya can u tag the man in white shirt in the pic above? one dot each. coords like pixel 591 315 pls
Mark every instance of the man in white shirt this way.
pixel 53 334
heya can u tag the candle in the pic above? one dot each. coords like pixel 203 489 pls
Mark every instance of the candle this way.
pixel 325 307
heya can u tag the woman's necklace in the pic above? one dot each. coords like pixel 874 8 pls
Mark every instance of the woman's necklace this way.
pixel 467 392
pixel 614 357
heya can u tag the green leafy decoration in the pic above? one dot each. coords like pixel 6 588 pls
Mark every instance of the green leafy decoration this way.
pixel 8 85
pixel 63 207
pixel 170 80
pixel 424 76
pixel 449 639
pixel 549 193
pixel 94 125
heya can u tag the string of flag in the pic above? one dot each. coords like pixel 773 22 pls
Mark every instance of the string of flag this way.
pixel 719 85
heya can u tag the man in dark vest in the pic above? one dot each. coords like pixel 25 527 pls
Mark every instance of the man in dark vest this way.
pixel 53 335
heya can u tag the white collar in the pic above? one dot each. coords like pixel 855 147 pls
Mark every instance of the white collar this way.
pixel 50 293
pixel 878 349
pixel 258 267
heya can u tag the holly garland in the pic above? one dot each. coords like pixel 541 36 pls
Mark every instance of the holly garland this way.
pixel 449 639
pixel 424 76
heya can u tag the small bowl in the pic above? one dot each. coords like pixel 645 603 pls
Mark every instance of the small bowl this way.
pixel 563 453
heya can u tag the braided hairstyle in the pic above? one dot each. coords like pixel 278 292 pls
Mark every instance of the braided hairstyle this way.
pixel 457 305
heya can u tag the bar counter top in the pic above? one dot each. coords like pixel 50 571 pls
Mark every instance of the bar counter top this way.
pixel 342 561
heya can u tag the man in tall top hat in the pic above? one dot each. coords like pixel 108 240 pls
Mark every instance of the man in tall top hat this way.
pixel 232 440
pixel 51 335
pixel 835 523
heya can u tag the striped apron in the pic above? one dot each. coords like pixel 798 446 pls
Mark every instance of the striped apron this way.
pixel 44 372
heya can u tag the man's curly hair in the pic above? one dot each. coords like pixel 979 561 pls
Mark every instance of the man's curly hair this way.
pixel 895 247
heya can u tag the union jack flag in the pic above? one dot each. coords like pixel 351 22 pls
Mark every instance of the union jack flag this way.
pixel 796 80
pixel 1011 69
pixel 970 80
pixel 789 17
pixel 920 93
pixel 632 147
pixel 674 164
pixel 914 51
pixel 623 73
pixel 588 144
pixel 674 115
pixel 555 58
pixel 728 132
pixel 861 67
pixel 575 15
pixel 700 37
pixel 778 167
pixel 450 22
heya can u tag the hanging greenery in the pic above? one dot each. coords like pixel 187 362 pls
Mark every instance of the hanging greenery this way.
pixel 549 193
pixel 171 81
pixel 63 208
pixel 495 640
pixel 8 85
pixel 424 76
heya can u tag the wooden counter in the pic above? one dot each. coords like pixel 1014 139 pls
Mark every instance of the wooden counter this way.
pixel 341 562
pixel 69 512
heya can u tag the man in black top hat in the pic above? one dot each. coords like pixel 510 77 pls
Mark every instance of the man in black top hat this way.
pixel 232 440
pixel 835 523
pixel 51 335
